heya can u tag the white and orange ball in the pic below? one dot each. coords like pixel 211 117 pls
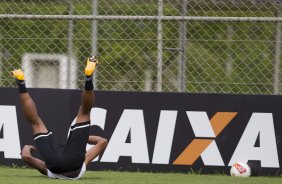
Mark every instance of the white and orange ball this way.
pixel 240 169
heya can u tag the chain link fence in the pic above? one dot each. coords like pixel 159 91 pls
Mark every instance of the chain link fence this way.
pixel 212 46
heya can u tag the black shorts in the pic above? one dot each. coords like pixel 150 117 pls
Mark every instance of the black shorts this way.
pixel 68 157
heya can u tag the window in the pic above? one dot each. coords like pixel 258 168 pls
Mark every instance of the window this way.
pixel 49 71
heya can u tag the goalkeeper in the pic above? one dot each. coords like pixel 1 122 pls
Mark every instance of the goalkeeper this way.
pixel 68 161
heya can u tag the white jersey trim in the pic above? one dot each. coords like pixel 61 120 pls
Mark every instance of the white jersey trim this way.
pixel 44 135
pixel 58 176
pixel 78 127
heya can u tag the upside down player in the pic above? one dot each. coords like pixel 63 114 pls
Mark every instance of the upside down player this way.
pixel 68 161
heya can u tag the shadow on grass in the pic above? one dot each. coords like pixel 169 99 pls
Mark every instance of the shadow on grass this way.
pixel 84 178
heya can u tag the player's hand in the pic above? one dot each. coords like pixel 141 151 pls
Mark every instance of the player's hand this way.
pixel 28 149
pixel 32 148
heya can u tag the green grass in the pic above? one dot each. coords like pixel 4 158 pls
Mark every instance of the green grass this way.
pixel 31 176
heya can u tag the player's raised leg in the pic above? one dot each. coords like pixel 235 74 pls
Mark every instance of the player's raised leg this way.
pixel 87 98
pixel 28 105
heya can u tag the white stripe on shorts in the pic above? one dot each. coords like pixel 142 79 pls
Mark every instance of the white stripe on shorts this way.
pixel 83 126
pixel 44 135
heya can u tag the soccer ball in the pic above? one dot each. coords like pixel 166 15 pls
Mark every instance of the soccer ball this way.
pixel 240 169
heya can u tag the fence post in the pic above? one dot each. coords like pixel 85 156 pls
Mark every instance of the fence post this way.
pixel 1 60
pixel 160 46
pixel 182 46
pixel 94 36
pixel 70 39
pixel 229 59
pixel 277 56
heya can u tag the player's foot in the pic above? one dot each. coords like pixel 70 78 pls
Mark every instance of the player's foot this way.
pixel 18 74
pixel 19 77
pixel 90 66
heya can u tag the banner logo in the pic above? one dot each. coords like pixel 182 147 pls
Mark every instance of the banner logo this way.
pixel 129 138
pixel 10 142
pixel 209 130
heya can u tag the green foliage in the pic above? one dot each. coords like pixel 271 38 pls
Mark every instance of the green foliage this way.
pixel 129 48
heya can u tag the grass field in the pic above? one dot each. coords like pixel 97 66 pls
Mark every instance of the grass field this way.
pixel 31 176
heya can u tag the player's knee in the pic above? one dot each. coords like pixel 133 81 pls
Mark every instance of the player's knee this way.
pixel 104 142
pixel 35 120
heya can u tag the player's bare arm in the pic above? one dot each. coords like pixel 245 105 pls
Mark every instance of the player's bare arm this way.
pixel 100 144
pixel 32 161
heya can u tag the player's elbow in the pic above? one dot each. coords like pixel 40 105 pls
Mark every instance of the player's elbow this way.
pixel 103 142
pixel 25 156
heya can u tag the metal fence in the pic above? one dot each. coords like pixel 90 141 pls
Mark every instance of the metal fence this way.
pixel 206 46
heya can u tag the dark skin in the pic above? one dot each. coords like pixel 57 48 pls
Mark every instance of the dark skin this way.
pixel 37 125
pixel 99 142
